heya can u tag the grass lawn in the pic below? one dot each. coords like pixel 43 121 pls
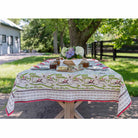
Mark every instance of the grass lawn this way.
pixel 122 54
pixel 128 68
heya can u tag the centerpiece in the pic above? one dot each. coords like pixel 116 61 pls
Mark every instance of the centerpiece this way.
pixel 72 52
pixel 73 57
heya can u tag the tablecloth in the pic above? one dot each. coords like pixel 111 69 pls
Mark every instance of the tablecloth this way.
pixel 85 85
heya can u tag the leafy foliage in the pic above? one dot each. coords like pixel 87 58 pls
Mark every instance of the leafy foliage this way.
pixel 82 24
pixel 123 30
pixel 39 33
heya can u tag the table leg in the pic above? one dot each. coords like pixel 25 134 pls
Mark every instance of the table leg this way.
pixel 72 110
pixel 78 115
pixel 60 115
pixel 69 110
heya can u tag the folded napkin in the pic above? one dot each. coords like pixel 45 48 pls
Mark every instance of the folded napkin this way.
pixel 91 59
pixel 42 63
pixel 96 61
pixel 105 67
pixel 37 67
pixel 99 64
pixel 46 61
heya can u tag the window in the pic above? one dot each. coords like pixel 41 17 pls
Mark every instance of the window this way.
pixel 16 39
pixel 3 38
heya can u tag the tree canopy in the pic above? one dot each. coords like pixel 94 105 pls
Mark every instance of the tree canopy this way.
pixel 38 34
pixel 123 30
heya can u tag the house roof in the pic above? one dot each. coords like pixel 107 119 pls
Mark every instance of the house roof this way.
pixel 9 23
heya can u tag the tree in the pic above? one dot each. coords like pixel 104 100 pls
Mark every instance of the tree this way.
pixel 41 34
pixel 80 30
pixel 123 31
pixel 58 26
pixel 55 41
pixel 37 35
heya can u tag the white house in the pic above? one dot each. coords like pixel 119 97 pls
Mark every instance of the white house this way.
pixel 9 37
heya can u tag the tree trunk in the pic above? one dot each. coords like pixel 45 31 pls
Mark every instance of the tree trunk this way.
pixel 61 40
pixel 79 38
pixel 55 42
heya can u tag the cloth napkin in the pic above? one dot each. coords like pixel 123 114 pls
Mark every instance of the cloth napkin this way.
pixel 99 64
pixel 42 63
pixel 105 67
pixel 38 67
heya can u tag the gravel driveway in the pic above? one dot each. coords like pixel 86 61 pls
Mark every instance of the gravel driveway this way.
pixel 16 56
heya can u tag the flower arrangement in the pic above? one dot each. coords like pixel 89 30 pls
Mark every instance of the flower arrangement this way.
pixel 72 52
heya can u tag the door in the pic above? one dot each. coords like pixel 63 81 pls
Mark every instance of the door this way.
pixel 10 43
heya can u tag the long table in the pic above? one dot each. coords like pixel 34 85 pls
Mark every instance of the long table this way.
pixel 70 89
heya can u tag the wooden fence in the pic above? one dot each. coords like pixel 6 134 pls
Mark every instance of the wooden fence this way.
pixel 102 48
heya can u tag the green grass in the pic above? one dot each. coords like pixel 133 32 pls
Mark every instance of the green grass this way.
pixel 123 54
pixel 119 54
pixel 9 71
pixel 128 68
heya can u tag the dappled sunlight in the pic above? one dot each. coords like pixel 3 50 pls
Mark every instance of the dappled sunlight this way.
pixel 13 115
pixel 3 96
pixel 128 68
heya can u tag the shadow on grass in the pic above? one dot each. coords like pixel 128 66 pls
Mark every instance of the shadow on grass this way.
pixel 129 71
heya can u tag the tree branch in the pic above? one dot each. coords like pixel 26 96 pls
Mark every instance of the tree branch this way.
pixel 91 29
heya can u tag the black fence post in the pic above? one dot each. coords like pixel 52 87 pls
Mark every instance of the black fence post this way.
pixel 101 49
pixel 114 54
pixel 94 49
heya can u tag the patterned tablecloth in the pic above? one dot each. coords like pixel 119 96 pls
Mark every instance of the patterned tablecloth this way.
pixel 104 85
